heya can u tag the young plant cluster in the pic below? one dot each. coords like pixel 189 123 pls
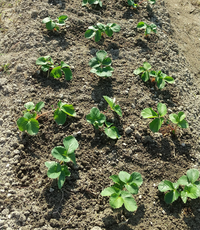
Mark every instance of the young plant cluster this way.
pixel 186 186
pixel 56 71
pixel 155 125
pixel 148 28
pixel 95 2
pixel 29 122
pixel 134 5
pixel 54 25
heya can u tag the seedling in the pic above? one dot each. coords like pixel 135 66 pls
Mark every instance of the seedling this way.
pixel 118 194
pixel 64 155
pixel 158 121
pixel 101 29
pixel 101 64
pixel 52 25
pixel 148 28
pixel 97 119
pixel 84 2
pixel 132 3
pixel 5 68
pixel 113 106
pixel 158 76
pixel 29 122
pixel 179 121
pixel 150 113
pixel 47 64
pixel 191 187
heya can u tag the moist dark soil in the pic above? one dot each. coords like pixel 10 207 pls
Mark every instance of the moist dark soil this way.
pixel 31 200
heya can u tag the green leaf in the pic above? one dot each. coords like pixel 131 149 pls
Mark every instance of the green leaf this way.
pixel 171 196
pixel 193 175
pixel 84 2
pixel 110 101
pixel 115 27
pixel 28 115
pixel 139 70
pixel 148 113
pixel 132 188
pixel 50 25
pixel 59 117
pixel 107 61
pixel 184 196
pixel 141 25
pixel 124 176
pixel 62 19
pixel 42 60
pixel 54 169
pixel 61 180
pixel 29 106
pixel 103 72
pixel 97 36
pixel 160 83
pixel 153 27
pixel 60 153
pixel 45 68
pixel 21 123
pixel 89 33
pixel 152 1
pixel 118 110
pixel 115 179
pixel 39 106
pixel 190 191
pixel 63 65
pixel 136 178
pixel 68 109
pixel 46 20
pixel 101 55
pixel 183 124
pixel 145 76
pixel 181 116
pixel 183 180
pixel 109 191
pixel 174 118
pixel 129 202
pixel 108 31
pixel 112 132
pixel 95 117
pixel 165 186
pixel 94 62
pixel 71 144
pixel 156 124
pixel 146 65
pixel 32 126
pixel 148 30
pixel 56 72
pixel 67 73
pixel 169 79
pixel 116 201
pixel 162 109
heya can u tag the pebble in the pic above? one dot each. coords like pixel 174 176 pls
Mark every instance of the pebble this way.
pixel 128 130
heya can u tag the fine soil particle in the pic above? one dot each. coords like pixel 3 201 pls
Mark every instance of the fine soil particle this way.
pixel 31 200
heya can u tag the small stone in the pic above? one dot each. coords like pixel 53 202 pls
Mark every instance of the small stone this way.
pixel 2 140
pixel 128 130
pixel 2 222
pixel 96 228
pixel 163 212
pixel 183 144
pixel 51 189
pixel 138 135
pixel 132 126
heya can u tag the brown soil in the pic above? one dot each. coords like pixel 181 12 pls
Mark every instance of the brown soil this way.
pixel 79 205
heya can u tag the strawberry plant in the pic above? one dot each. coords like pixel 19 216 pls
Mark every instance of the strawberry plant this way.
pixel 158 76
pixel 29 122
pixel 101 29
pixel 155 125
pixel 64 155
pixel 97 119
pixel 113 106
pixel 52 25
pixel 47 64
pixel 85 2
pixel 101 64
pixel 118 194
pixel 134 5
pixel 148 28
pixel 190 187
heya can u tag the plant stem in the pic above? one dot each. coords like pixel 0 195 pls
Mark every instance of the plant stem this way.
pixel 141 2
pixel 43 114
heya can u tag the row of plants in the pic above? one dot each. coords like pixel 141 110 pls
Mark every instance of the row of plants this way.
pixel 125 185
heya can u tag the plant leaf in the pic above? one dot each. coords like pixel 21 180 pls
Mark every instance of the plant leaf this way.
pixel 118 110
pixel 68 109
pixel 171 196
pixel 89 33
pixel 146 65
pixel 141 25
pixel 183 124
pixel 156 124
pixel 109 191
pixel 193 175
pixel 84 2
pixel 116 201
pixel 136 178
pixel 60 153
pixel 183 180
pixel 138 70
pixel 115 179
pixel 145 76
pixel 101 55
pixel 169 79
pixel 160 82
pixel 29 106
pixel 165 186
pixel 59 117
pixel 107 61
pixel 61 180
pixel 124 176
pixel 181 116
pixel 148 113
pixel 54 169
pixel 97 36
pixel 129 202
pixel 174 118
pixel 56 72
pixel 162 109
pixel 108 31
pixel 39 106
pixel 110 101
pixel 50 25
pixel 67 73
pixel 21 123
pixel 112 132
pixel 94 62
pixel 71 144
pixel 32 126
pixel 115 27
pixel 132 188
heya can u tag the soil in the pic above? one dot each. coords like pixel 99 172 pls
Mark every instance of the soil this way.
pixel 31 200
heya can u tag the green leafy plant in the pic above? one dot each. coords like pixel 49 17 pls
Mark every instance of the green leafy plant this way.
pixel 5 68
pixel 101 64
pixel 158 76
pixel 95 2
pixel 52 25
pixel 101 29
pixel 148 28
pixel 29 122
pixel 64 155
pixel 97 119
pixel 174 191
pixel 113 106
pixel 134 5
pixel 118 194
pixel 47 64
pixel 156 124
